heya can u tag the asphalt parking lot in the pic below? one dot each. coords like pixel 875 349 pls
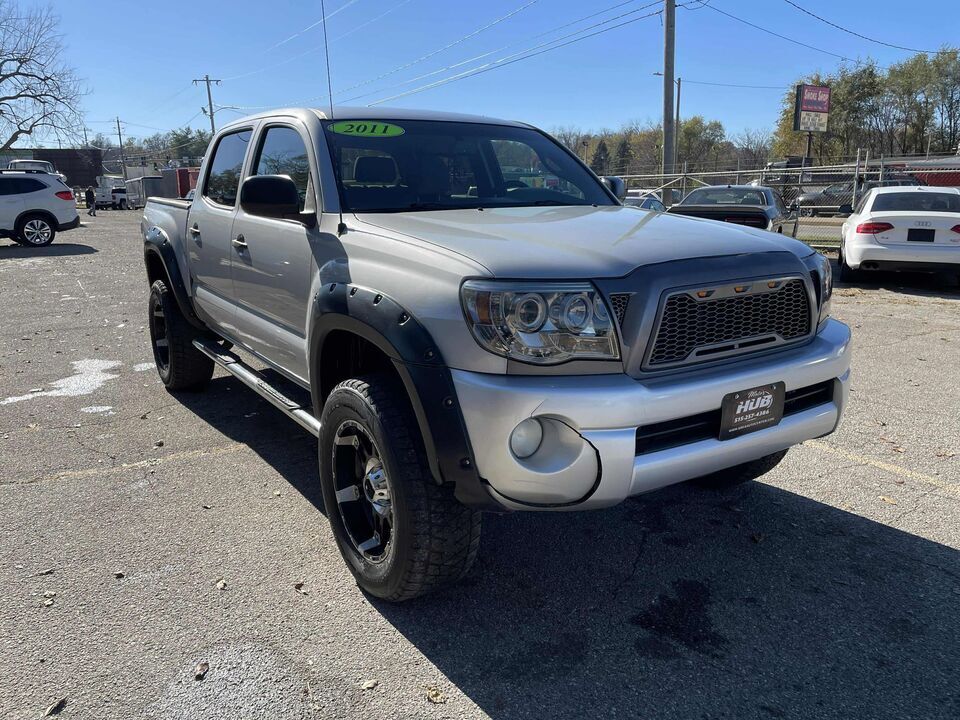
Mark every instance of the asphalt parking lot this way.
pixel 143 534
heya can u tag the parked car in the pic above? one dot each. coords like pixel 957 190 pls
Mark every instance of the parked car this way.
pixel 647 202
pixel 751 205
pixel 35 206
pixel 38 165
pixel 139 189
pixel 902 228
pixel 829 200
pixel 458 343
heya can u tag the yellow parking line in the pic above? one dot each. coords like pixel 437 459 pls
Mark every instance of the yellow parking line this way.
pixel 148 463
pixel 888 467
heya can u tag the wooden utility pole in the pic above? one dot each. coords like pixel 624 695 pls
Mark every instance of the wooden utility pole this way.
pixel 207 79
pixel 669 43
pixel 123 162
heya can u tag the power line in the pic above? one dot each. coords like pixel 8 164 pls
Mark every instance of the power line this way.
pixel 317 48
pixel 782 37
pixel 734 85
pixel 856 34
pixel 445 47
pixel 505 61
pixel 477 57
pixel 519 42
pixel 312 25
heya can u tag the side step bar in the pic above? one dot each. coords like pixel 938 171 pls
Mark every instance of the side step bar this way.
pixel 256 382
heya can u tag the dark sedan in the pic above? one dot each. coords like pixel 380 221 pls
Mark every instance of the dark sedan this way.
pixel 829 200
pixel 750 205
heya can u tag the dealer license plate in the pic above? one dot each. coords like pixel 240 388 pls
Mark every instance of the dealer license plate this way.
pixel 750 410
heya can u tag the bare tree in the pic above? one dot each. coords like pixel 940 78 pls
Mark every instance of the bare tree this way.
pixel 39 94
pixel 753 147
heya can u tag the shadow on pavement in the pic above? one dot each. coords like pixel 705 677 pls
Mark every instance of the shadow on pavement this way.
pixel 19 252
pixel 905 283
pixel 687 603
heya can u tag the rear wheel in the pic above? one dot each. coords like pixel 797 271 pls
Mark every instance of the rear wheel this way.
pixel 180 365
pixel 739 474
pixel 847 273
pixel 35 231
pixel 400 533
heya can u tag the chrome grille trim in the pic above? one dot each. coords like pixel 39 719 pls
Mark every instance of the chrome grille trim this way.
pixel 733 318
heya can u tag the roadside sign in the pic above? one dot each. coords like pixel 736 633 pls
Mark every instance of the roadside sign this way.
pixel 811 108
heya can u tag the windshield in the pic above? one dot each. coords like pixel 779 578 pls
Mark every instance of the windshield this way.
pixel 724 196
pixel 408 165
pixel 917 201
pixel 31 165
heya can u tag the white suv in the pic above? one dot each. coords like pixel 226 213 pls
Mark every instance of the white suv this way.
pixel 34 206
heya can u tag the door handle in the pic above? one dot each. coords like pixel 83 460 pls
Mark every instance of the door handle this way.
pixel 239 243
pixel 194 231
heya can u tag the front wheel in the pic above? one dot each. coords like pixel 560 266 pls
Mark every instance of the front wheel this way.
pixel 35 231
pixel 400 533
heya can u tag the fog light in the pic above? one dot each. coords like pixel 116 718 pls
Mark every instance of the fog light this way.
pixel 526 438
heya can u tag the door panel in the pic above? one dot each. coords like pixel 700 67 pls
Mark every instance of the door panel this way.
pixel 209 227
pixel 274 261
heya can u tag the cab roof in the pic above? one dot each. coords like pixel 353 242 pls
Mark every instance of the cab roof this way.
pixel 379 113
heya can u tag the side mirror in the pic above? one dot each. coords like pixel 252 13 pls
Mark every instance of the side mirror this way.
pixel 274 196
pixel 845 209
pixel 615 185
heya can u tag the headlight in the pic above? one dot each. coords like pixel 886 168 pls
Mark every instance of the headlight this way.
pixel 541 323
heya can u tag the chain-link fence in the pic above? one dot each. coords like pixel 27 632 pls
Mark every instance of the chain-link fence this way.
pixel 817 198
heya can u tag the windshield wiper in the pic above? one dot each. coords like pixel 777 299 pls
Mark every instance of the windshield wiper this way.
pixel 434 206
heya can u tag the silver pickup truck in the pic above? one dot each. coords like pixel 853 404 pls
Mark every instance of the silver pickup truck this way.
pixel 469 320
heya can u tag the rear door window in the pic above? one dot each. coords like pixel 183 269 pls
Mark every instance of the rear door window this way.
pixel 29 185
pixel 226 167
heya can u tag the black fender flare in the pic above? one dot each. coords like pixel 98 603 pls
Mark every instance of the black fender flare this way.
pixel 384 323
pixel 156 244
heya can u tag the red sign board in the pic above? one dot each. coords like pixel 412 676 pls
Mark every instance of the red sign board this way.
pixel 814 98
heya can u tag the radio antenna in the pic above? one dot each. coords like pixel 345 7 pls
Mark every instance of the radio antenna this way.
pixel 341 227
pixel 326 53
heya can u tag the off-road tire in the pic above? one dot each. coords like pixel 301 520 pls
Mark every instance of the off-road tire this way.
pixel 434 538
pixel 182 366
pixel 26 235
pixel 739 474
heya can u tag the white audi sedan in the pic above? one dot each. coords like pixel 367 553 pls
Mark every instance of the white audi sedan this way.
pixel 903 228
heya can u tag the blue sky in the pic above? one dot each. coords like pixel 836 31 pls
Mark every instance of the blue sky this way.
pixel 270 54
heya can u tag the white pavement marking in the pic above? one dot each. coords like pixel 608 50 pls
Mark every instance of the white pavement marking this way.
pixel 143 367
pixel 97 409
pixel 90 376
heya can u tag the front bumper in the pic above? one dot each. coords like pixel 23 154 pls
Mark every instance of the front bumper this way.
pixel 588 458
pixel 865 251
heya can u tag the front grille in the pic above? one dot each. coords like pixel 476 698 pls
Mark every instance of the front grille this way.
pixel 694 330
pixel 619 303
pixel 682 431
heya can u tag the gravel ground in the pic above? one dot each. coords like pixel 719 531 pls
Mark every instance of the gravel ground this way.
pixel 828 589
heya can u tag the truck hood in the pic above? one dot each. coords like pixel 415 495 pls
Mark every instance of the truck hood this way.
pixel 575 242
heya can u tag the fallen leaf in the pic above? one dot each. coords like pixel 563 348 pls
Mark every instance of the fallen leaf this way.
pixel 118 574
pixel 298 586
pixel 434 695
pixel 158 443
pixel 889 501
pixel 56 708
pixel 370 684
pixel 200 671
